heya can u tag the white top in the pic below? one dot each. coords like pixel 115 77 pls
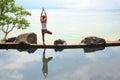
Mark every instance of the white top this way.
pixel 44 26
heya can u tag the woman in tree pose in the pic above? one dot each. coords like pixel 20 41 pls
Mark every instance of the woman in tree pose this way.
pixel 43 20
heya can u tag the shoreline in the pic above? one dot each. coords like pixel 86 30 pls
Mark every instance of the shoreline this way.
pixel 81 45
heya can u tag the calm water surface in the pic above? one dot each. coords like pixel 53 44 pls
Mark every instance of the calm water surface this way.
pixel 60 64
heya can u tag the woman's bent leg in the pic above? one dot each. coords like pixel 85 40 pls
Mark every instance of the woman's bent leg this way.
pixel 49 32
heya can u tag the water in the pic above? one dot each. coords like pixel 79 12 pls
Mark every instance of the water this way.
pixel 74 25
pixel 68 64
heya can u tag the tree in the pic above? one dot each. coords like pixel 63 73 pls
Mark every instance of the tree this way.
pixel 12 16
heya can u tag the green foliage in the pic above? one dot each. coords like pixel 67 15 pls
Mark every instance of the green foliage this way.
pixel 12 16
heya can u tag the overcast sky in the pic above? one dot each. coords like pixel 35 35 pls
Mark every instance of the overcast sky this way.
pixel 72 4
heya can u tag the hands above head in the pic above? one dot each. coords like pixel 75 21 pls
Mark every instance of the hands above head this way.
pixel 43 11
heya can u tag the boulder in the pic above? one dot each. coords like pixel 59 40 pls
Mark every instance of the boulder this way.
pixel 93 40
pixel 30 38
pixel 60 42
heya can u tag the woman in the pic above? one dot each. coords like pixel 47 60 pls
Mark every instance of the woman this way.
pixel 43 20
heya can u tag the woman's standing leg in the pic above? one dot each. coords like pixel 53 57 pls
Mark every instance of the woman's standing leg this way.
pixel 43 37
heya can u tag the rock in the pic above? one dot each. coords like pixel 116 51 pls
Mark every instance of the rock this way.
pixel 60 42
pixel 93 41
pixel 12 39
pixel 30 38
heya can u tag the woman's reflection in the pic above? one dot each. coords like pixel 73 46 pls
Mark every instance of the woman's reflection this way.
pixel 45 64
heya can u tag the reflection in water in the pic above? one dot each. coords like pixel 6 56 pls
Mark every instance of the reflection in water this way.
pixel 86 50
pixel 58 49
pixel 45 64
pixel 29 50
pixel 70 64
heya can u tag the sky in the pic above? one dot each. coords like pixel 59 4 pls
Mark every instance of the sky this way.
pixel 72 4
